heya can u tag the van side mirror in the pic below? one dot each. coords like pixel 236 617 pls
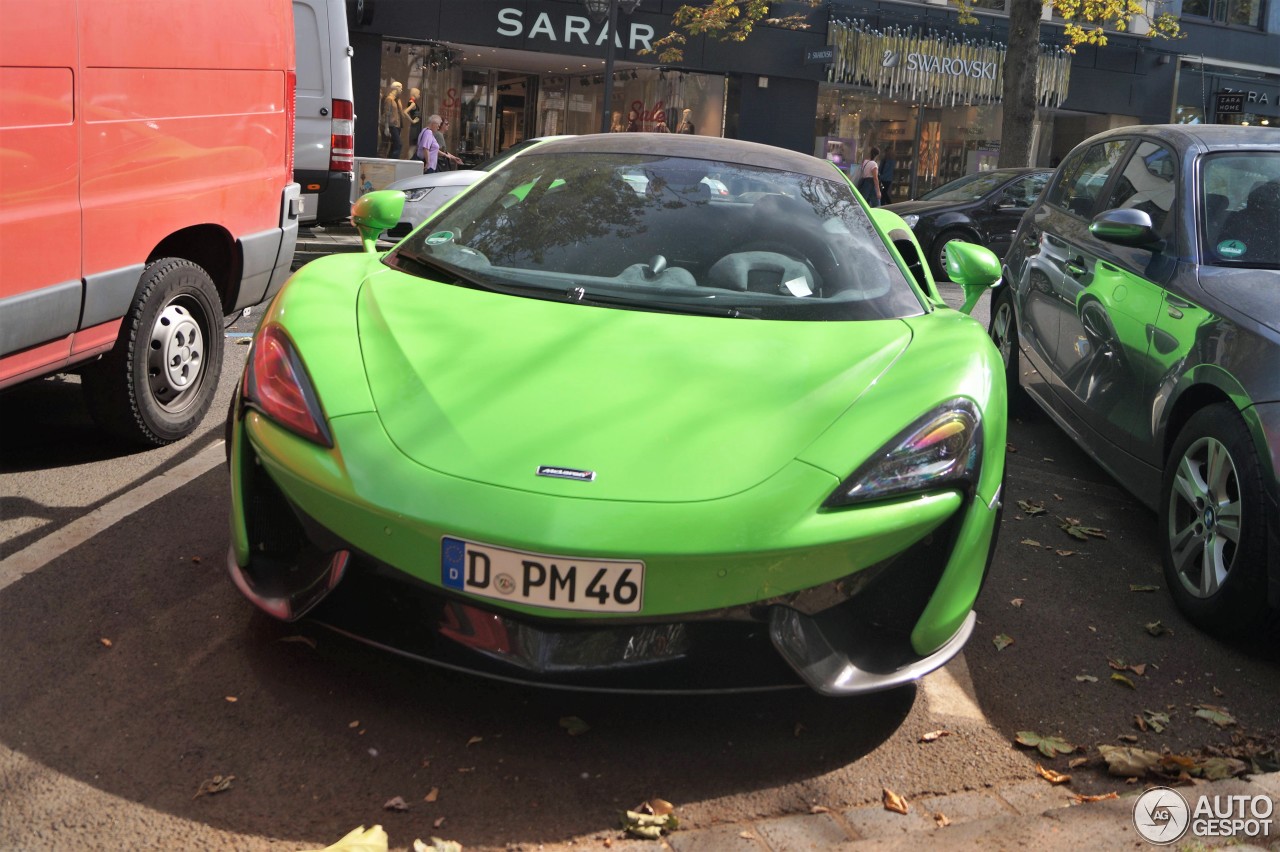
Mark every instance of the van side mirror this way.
pixel 375 212
pixel 975 268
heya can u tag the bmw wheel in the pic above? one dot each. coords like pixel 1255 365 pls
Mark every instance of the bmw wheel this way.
pixel 1213 523
pixel 1004 334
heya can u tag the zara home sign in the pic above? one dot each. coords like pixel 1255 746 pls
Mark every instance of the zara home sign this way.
pixel 568 29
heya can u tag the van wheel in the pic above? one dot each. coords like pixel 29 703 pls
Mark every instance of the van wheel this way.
pixel 157 383
pixel 1004 334
pixel 1214 524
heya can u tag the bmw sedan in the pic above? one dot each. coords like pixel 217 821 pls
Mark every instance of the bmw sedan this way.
pixel 1141 310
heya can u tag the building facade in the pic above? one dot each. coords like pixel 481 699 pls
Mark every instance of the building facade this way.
pixel 906 77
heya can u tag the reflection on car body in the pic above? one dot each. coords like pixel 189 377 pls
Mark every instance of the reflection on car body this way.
pixel 776 454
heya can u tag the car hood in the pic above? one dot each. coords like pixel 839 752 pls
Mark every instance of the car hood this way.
pixel 1253 292
pixel 659 407
pixel 920 208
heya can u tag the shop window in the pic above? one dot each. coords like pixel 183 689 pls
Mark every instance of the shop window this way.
pixel 1241 13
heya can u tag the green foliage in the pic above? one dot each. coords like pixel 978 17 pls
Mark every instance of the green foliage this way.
pixel 724 20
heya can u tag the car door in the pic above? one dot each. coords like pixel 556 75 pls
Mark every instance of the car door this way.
pixel 999 217
pixel 1117 291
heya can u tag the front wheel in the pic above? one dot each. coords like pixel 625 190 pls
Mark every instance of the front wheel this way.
pixel 1214 524
pixel 1004 334
pixel 938 257
pixel 158 381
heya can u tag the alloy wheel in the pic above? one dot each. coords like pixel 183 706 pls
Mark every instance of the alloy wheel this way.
pixel 1204 520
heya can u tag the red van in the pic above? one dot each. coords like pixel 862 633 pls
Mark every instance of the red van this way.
pixel 146 192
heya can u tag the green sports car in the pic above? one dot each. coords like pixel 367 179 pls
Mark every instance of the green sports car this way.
pixel 635 412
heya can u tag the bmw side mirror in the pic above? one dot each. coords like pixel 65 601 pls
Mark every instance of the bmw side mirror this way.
pixel 1125 227
pixel 975 268
pixel 375 212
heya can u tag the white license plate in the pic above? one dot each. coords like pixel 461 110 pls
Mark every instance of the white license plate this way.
pixel 557 582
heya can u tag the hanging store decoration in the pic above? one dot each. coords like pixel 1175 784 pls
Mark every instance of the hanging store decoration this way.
pixel 937 69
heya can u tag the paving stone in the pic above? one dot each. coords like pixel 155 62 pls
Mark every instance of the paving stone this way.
pixel 1270 783
pixel 719 838
pixel 801 832
pixel 1035 797
pixel 875 821
pixel 966 807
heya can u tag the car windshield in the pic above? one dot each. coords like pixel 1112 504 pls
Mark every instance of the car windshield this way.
pixel 968 188
pixel 1240 209
pixel 654 232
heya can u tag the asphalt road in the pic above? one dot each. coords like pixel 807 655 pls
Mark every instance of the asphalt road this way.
pixel 133 672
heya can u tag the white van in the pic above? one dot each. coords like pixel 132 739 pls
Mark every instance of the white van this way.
pixel 324 137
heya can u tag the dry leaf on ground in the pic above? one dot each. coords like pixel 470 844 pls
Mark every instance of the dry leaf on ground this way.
pixel 894 802
pixel 1051 776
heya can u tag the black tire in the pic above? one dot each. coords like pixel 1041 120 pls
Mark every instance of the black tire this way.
pixel 158 381
pixel 1003 330
pixel 938 250
pixel 1214 525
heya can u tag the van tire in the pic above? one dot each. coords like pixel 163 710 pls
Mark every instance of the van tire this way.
pixel 157 383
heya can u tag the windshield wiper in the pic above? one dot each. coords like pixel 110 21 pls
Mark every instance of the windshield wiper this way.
pixel 670 306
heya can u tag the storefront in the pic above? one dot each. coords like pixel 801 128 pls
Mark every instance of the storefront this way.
pixel 500 71
pixel 1214 92
pixel 928 101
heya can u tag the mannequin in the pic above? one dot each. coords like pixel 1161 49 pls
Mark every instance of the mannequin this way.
pixel 617 126
pixel 686 123
pixel 389 121
pixel 413 112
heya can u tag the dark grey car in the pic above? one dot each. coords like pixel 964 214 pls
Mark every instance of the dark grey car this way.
pixel 1141 310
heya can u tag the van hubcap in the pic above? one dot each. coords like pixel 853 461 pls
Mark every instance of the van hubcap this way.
pixel 176 355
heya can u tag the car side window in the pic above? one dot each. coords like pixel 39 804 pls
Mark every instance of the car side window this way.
pixel 1148 183
pixel 1024 191
pixel 1084 176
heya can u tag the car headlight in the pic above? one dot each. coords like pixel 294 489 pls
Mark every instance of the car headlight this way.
pixel 416 194
pixel 277 385
pixel 940 449
pixel 911 220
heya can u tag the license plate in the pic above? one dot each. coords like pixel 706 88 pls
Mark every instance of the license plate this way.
pixel 557 582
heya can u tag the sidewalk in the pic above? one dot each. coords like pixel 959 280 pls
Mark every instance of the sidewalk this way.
pixel 1027 815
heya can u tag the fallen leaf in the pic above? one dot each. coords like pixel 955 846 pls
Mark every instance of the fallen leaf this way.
pixel 474 740
pixel 395 804
pixel 305 640
pixel 231 699
pixel 195 559
pixel 1081 799
pixel 1217 715
pixel 437 822
pixel 1155 628
pixel 1065 552
pixel 819 809
pixel 651 819
pixel 1032 507
pixel 216 784
pixel 1048 746
pixel 941 819
pixel 1139 669
pixel 1018 601
pixel 438 845
pixel 1086 678
pixel 1140 723
pixel 106 643
pixel 659 807
pixel 1119 678
pixel 1156 721
pixel 354 724
pixel 433 795
pixel 1002 641
pixel 894 802
pixel 747 835
pixel 1051 776
pixel 1073 528
pixel 1030 541
pixel 933 736
pixel 1128 738
pixel 1136 588
pixel 1077 762
pixel 574 726
pixel 1218 693
pixel 1129 762
pixel 1221 768
pixel 360 838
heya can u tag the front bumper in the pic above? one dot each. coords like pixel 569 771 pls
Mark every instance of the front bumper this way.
pixel 842 626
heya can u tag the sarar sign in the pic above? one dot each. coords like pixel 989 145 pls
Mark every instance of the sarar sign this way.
pixel 572 29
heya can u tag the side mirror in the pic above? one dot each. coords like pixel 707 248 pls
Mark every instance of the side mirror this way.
pixel 974 267
pixel 1125 227
pixel 375 212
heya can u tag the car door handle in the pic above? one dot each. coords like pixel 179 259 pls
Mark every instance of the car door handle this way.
pixel 1075 268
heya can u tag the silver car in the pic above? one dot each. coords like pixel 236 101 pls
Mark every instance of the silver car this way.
pixel 1141 310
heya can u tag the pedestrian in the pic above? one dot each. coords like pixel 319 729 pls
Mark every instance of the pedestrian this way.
pixel 389 121
pixel 887 165
pixel 445 160
pixel 429 145
pixel 413 112
pixel 869 178
pixel 686 123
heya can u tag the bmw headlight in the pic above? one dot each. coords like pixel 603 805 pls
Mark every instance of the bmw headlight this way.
pixel 941 449
pixel 911 220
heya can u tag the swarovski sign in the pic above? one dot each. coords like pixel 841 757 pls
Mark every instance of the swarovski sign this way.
pixel 568 29
pixel 939 70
